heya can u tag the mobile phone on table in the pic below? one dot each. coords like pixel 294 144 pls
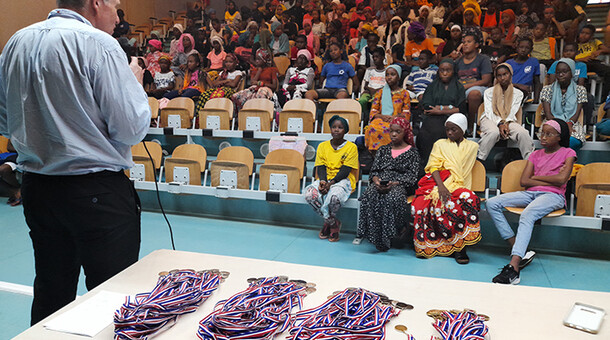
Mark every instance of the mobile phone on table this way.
pixel 584 317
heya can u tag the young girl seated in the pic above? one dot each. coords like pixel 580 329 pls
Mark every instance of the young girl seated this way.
pixel 299 79
pixel 279 40
pixel 194 79
pixel 225 85
pixel 336 74
pixel 164 79
pixel 544 178
pixel 184 48
pixel 336 167
pixel 263 79
pixel 217 55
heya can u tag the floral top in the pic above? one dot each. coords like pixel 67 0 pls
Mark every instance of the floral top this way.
pixel 546 95
pixel 401 100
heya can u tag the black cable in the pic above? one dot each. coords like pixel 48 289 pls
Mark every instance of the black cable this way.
pixel 171 232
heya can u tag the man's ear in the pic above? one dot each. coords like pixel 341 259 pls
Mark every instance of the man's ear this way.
pixel 94 6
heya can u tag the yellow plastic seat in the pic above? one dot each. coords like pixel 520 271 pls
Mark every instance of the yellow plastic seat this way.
pixel 183 107
pixel 259 107
pixel 234 158
pixel 303 109
pixel 219 107
pixel 191 156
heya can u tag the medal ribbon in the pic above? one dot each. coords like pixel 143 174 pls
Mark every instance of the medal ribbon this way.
pixel 462 326
pixel 259 312
pixel 352 314
pixel 175 294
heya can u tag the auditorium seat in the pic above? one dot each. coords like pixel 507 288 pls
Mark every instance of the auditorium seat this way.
pixel 182 107
pixel 216 112
pixel 591 181
pixel 140 156
pixel 3 144
pixel 349 109
pixel 539 117
pixel 190 156
pixel 299 112
pixel 350 90
pixel 282 162
pixel 237 159
pixel 282 63
pixel 154 108
pixel 257 114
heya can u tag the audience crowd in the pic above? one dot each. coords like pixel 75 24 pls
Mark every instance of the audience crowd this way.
pixel 442 70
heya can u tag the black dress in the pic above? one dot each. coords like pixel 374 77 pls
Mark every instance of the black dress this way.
pixel 382 216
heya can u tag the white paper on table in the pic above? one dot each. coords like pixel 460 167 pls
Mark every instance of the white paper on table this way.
pixel 89 317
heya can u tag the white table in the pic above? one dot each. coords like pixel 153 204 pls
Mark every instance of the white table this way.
pixel 516 312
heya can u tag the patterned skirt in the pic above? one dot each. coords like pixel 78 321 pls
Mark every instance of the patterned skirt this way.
pixel 442 229
pixel 220 92
pixel 377 134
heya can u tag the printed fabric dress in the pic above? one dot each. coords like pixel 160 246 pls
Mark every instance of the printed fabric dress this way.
pixel 442 229
pixel 377 133
pixel 383 216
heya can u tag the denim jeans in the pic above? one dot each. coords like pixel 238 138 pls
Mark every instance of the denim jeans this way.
pixel 537 204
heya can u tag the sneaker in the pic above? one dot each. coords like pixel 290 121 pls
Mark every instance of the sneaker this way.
pixel 325 232
pixel 508 275
pixel 527 259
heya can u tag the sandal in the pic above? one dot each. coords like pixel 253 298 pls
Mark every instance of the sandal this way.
pixel 13 202
pixel 461 257
pixel 325 232
pixel 334 232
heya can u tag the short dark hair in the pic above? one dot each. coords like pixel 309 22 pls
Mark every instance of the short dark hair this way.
pixel 540 23
pixel 427 53
pixel 588 26
pixel 528 39
pixel 372 34
pixel 301 36
pixel 378 50
pixel 573 44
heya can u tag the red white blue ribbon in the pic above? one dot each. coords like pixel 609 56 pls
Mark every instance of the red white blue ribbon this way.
pixel 461 326
pixel 259 312
pixel 177 293
pixel 352 314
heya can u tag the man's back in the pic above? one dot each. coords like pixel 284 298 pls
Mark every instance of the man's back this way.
pixel 68 99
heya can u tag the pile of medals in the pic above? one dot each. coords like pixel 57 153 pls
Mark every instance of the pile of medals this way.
pixel 177 292
pixel 261 311
pixel 459 324
pixel 349 314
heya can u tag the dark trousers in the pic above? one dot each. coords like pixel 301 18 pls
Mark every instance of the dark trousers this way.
pixel 603 71
pixel 90 220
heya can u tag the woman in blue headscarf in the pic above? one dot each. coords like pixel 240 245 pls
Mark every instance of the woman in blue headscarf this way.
pixel 279 41
pixel 564 99
pixel 389 102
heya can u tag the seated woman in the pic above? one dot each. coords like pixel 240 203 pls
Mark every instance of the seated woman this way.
pixel 394 172
pixel 564 100
pixel 442 98
pixel 8 179
pixel 184 48
pixel 445 211
pixel 279 40
pixel 337 73
pixel 389 102
pixel 300 78
pixel 499 121
pixel 544 178
pixel 216 57
pixel 225 85
pixel 336 167
pixel 263 79
pixel 194 79
pixel 313 41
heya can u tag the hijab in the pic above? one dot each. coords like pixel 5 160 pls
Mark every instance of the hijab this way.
pixel 501 102
pixel 387 104
pixel 220 41
pixel 306 53
pixel 264 38
pixel 180 46
pixel 264 54
pixel 476 20
pixel 404 124
pixel 418 30
pixel 510 30
pixel 436 94
pixel 564 112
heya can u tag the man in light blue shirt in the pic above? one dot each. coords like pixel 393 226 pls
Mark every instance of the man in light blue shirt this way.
pixel 72 109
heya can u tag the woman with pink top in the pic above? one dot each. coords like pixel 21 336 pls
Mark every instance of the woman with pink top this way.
pixel 544 178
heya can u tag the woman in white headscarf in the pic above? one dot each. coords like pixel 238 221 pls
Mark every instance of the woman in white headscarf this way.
pixel 445 211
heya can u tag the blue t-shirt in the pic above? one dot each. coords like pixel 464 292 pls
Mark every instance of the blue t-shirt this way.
pixel 524 73
pixel 580 72
pixel 337 74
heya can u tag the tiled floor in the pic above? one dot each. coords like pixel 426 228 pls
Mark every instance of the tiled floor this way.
pixel 286 244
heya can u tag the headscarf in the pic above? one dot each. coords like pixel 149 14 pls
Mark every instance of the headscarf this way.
pixel 341 119
pixel 156 33
pixel 179 27
pixel 306 53
pixel 275 25
pixel 560 111
pixel 220 41
pixel 387 104
pixel 156 44
pixel 508 32
pixel 180 47
pixel 264 54
pixel 396 18
pixel 166 57
pixel 368 27
pixel 264 38
pixel 425 7
pixel 310 36
pixel 474 5
pixel 251 24
pixel 501 102
pixel 436 94
pixel 418 30
pixel 562 128
pixel 475 17
pixel 404 124
pixel 459 120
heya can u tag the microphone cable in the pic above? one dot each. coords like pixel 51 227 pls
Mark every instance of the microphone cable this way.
pixel 171 232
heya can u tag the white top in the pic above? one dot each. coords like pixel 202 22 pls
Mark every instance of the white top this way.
pixel 515 106
pixel 164 79
pixel 374 77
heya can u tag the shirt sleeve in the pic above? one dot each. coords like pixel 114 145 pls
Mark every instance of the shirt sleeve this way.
pixel 321 155
pixel 363 56
pixel 546 94
pixel 485 65
pixel 583 70
pixel 324 70
pixel 3 111
pixel 351 156
pixel 350 70
pixel 121 98
pixel 376 103
pixel 536 66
